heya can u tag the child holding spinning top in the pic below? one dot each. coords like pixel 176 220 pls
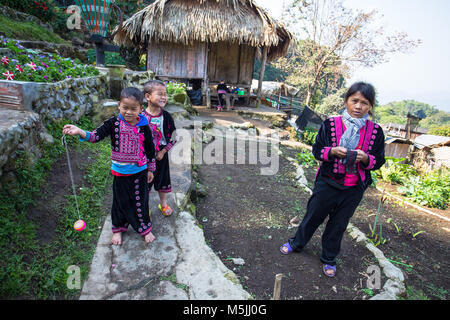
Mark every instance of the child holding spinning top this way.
pixel 133 163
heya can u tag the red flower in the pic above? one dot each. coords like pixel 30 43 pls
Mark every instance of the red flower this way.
pixel 32 65
pixel 19 68
pixel 5 60
pixel 9 75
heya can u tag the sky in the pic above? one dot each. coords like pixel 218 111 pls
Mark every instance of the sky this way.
pixel 423 74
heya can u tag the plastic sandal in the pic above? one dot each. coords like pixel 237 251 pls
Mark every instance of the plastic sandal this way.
pixel 166 211
pixel 327 267
pixel 288 246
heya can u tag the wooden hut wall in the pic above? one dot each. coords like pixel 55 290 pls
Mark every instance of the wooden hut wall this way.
pixel 231 62
pixel 397 150
pixel 177 60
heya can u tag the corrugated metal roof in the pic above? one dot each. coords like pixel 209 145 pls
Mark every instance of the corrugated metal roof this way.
pixel 390 139
pixel 429 140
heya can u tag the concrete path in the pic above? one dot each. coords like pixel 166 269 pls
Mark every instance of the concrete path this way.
pixel 178 265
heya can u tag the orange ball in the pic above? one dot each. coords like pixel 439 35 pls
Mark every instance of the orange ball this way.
pixel 79 225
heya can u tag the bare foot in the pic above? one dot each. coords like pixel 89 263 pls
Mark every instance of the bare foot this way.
pixel 117 238
pixel 149 237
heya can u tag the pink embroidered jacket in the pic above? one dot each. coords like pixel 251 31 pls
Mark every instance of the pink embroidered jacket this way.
pixel 129 144
pixel 371 142
pixel 168 129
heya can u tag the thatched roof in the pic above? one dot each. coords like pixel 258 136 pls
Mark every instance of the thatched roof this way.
pixel 189 21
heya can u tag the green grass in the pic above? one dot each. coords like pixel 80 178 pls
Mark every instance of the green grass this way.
pixel 27 31
pixel 28 268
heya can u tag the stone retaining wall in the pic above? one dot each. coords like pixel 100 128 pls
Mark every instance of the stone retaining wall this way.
pixel 19 131
pixel 70 98
pixel 27 107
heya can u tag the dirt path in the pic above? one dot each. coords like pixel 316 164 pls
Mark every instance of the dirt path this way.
pixel 246 215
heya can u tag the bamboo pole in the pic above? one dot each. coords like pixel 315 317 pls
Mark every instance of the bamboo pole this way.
pixel 277 286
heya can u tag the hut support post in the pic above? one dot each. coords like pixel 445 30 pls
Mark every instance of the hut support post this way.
pixel 261 75
pixel 206 88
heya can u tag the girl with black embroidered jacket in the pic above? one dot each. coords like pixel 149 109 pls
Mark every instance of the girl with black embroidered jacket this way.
pixel 348 147
pixel 163 126
pixel 133 164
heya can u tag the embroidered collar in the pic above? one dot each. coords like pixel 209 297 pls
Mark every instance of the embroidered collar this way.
pixel 142 120
pixel 157 116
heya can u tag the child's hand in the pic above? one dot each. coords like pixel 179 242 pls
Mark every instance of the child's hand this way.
pixel 149 176
pixel 72 130
pixel 361 156
pixel 339 152
pixel 160 154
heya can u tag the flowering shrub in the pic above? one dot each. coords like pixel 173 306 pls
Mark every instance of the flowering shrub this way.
pixel 29 65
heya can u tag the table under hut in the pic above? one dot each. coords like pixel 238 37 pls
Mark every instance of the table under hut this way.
pixel 206 41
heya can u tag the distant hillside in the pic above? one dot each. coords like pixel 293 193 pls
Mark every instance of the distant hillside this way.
pixel 396 112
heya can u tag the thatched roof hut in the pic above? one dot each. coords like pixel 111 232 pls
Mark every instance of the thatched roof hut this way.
pixel 205 39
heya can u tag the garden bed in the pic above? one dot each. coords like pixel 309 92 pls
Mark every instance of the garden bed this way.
pixel 52 86
pixel 246 215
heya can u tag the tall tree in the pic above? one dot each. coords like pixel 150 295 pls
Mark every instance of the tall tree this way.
pixel 335 40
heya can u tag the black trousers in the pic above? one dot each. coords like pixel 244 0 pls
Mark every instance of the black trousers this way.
pixel 130 204
pixel 340 206
pixel 161 180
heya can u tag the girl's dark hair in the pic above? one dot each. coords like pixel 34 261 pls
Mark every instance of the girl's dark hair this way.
pixel 132 92
pixel 149 86
pixel 366 89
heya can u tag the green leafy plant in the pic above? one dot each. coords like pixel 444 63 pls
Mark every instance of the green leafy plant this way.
pixel 395 171
pixel 305 158
pixel 432 190
pixel 174 88
pixel 309 136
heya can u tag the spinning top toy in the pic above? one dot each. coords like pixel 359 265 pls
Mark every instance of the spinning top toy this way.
pixel 79 225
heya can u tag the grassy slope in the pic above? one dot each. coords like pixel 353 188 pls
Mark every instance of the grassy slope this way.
pixel 29 269
pixel 27 31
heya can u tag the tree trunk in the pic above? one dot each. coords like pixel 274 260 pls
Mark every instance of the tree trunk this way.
pixel 309 95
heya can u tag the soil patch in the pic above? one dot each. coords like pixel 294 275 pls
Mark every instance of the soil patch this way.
pixel 246 215
pixel 48 208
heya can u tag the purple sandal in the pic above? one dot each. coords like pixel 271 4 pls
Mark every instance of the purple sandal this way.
pixel 288 246
pixel 327 267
